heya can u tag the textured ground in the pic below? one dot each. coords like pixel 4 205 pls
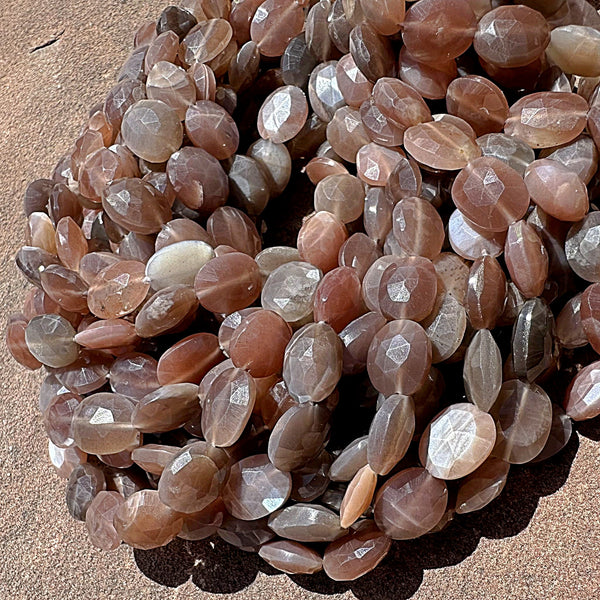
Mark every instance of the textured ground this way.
pixel 539 542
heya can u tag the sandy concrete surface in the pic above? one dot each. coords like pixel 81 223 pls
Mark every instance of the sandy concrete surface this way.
pixel 540 541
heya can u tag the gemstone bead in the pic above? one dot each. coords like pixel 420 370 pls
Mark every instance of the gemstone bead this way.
pixel 307 523
pixel 482 370
pixel 283 114
pixel 582 400
pixel 291 557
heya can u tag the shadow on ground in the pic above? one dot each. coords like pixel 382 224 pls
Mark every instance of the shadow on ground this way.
pixel 216 567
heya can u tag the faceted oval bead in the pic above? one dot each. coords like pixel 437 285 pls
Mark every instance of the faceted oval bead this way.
pixel 410 503
pixel 312 479
pixel 227 407
pixel 65 287
pixel 49 338
pixel 275 162
pixel 211 127
pixel 255 488
pixel 390 433
pixel 375 163
pixel 453 275
pixel 546 119
pixel 102 424
pixel 99 520
pixel 471 244
pixel 523 413
pixel 482 486
pixel 338 298
pixel 274 24
pixel 176 20
pixel 511 36
pixel 181 230
pixel 526 259
pixel 283 114
pixel 152 130
pixel 36 196
pixel 228 283
pixel 482 370
pixel 372 52
pixel 405 181
pixel 324 93
pixel 177 263
pixel 569 329
pixel 353 85
pixel 582 249
pixel 358 496
pixel 71 244
pixel 134 375
pixel 189 359
pixel 204 80
pixel 85 483
pixel 245 535
pixel 430 80
pixel 445 327
pixel 65 460
pixel 166 408
pixel 58 419
pixel 511 150
pixel 582 400
pixel 298 436
pixel 153 458
pixel 17 345
pixel 144 522
pixel 136 205
pixel 357 337
pixel 291 557
pixel 377 215
pixel 204 42
pixel 274 257
pixel 440 145
pixel 118 289
pixel 40 232
pixel 166 309
pixel 533 340
pixel 356 554
pixel 478 101
pixel 259 330
pixel 346 133
pixel 486 293
pixel 193 478
pixel 418 227
pixel 31 261
pixel 312 364
pixel 109 333
pixel 203 524
pixel 229 326
pixel 172 85
pixel 557 190
pixel 576 50
pixel 198 179
pixel 560 434
pixel 378 127
pixel 358 252
pixel 400 102
pixel 289 290
pixel 490 194
pixel 399 358
pixel 163 47
pixel 320 239
pixel 590 314
pixel 297 62
pixel 229 226
pixel 579 157
pixel 307 523
pixel 342 195
pixel 408 288
pixel 457 441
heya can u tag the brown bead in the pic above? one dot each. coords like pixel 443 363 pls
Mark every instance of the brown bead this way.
pixel 210 127
pixel 49 339
pixel 372 52
pixel 470 243
pixel 99 520
pixel 582 400
pixel 486 293
pixel 482 486
pixel 85 483
pixel 16 344
pixel 418 228
pixel 342 195
pixel 291 557
pixel 307 523
pixel 320 239
pixel 358 496
pixel 431 80
pixel 274 24
pixel 205 41
pixel 283 114
pixel 590 321
pixel 65 287
pixel 134 375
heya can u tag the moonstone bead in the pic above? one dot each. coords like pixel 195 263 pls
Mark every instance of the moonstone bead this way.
pixel 378 127
pixel 210 127
pixel 582 248
pixel 108 333
pixel 400 102
pixel 154 457
pixel 85 483
pixel 457 441
pixel 312 364
pixel 99 520
pixel 377 215
pixel 482 486
pixel 102 424
pixel 546 119
pixel 445 327
pixel 307 523
pixel 557 190
pixel 523 413
pixel 31 261
pixel 560 434
pixel 49 339
pixel 311 481
pixel 359 252
pixel 324 92
pixel 399 358
pixel 356 337
pixel 374 163
pixel 582 400
pixel 65 460
pixel 320 239
pixel 203 524
pixel 511 150
pixel 482 370
pixel 152 130
pixel 353 85
pixel 172 85
pixel 228 283
pixel 298 436
pixel 569 329
pixel 248 536
pixel 297 62
pixel 17 345
pixel 198 179
pixel 291 557
pixel 440 145
pixel 471 244
pixel 58 418
pixel 418 227
pixel 580 157
pixel 193 478
pixel 229 226
pixel 405 181
pixel 438 30
pixel 511 36
pixel 248 184
pixel 486 293
pixel 259 330
pixel 590 314
pixel 244 68
pixel 357 553
pixel 144 522
pixel 255 488
pixel 373 53
pixel 410 503
pixel 346 133
pixel 526 259
pixel 274 24
pixel 430 80
pixel 283 114
pixel 342 195
pixel 36 196
pixel 204 42
pixel 576 50
pixel 227 406
pixel 358 496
